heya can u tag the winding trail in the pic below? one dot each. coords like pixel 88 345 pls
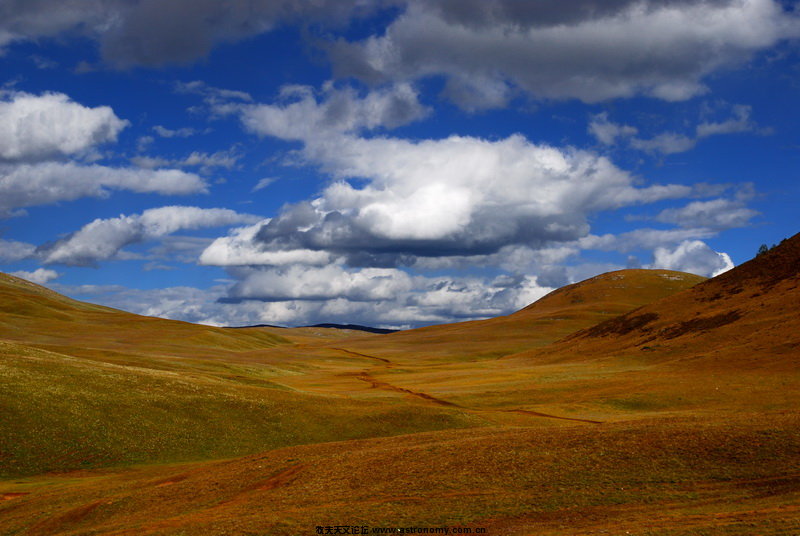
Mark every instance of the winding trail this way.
pixel 350 352
pixel 367 377
pixel 375 383
pixel 547 415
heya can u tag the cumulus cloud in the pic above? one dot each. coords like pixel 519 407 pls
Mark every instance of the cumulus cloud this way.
pixel 385 298
pixel 398 207
pixel 427 205
pixel 303 116
pixel 41 131
pixel 641 239
pixel 454 196
pixel 608 132
pixel 583 49
pixel 41 127
pixel 40 276
pixel 153 33
pixel 692 256
pixel 717 214
pixel 588 50
pixel 27 185
pixel 104 238
pixel 12 250
pixel 165 132
pixel 298 282
pixel 205 161
pixel 240 248
pixel 666 143
pixel 740 122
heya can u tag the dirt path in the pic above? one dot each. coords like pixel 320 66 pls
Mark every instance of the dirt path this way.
pixel 375 383
pixel 547 415
pixel 381 359
pixel 367 377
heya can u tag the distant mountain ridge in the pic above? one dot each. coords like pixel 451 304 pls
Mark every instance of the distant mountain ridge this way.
pixel 355 327
pixel 352 327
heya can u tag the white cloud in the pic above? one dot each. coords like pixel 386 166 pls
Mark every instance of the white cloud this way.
pixel 104 238
pixel 641 239
pixel 41 127
pixel 715 214
pixel 26 185
pixel 665 143
pixel 165 132
pixel 240 248
pixel 427 203
pixel 587 50
pixel 672 142
pixel 458 196
pixel 223 159
pixel 740 122
pixel 320 283
pixel 205 161
pixel 471 191
pixel 213 96
pixel 304 295
pixel 12 250
pixel 263 183
pixel 144 142
pixel 692 256
pixel 607 132
pixel 340 110
pixel 151 162
pixel 40 276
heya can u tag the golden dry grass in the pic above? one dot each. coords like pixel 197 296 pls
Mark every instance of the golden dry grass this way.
pixel 675 476
pixel 556 315
pixel 679 417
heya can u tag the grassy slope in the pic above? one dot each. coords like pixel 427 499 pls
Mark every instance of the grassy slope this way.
pixel 554 316
pixel 36 316
pixel 680 476
pixel 61 412
pixel 683 448
pixel 89 386
pixel 464 363
pixel 743 319
pixel 727 345
pixel 95 387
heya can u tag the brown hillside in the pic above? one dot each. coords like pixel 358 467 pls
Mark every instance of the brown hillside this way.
pixel 677 418
pixel 749 315
pixel 554 316
pixel 37 316
pixel 687 477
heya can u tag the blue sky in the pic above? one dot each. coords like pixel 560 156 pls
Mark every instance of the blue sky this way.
pixel 390 163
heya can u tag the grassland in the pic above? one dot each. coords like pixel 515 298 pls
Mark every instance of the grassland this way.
pixel 637 401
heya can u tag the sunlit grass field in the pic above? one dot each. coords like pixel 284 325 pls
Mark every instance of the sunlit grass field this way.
pixel 678 417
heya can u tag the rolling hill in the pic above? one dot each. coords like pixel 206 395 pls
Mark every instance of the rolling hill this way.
pixel 36 316
pixel 88 386
pixel 122 388
pixel 646 402
pixel 563 311
pixel 747 317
